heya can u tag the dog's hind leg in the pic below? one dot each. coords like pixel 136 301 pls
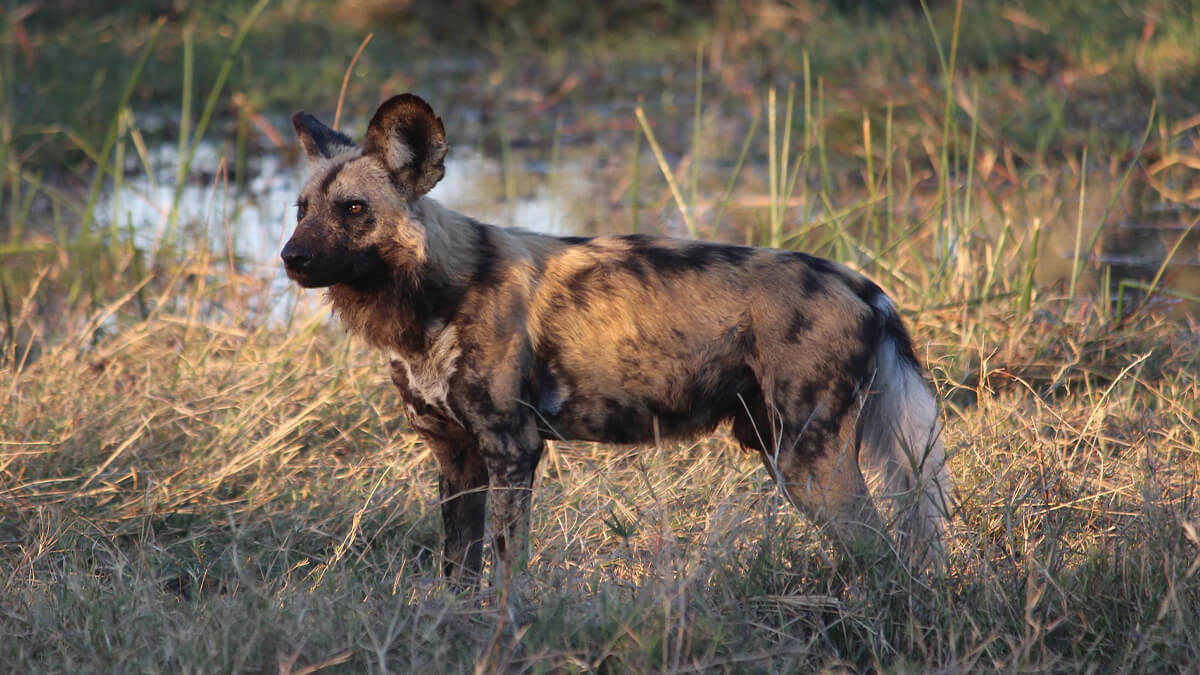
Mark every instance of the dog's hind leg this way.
pixel 814 460
pixel 826 482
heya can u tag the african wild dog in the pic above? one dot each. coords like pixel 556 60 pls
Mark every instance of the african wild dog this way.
pixel 500 339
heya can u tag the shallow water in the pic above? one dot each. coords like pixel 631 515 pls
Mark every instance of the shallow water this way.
pixel 259 220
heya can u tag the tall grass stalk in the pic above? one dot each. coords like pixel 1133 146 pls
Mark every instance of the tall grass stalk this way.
pixel 21 201
pixel 206 114
pixel 733 176
pixel 1075 266
pixel 337 116
pixel 966 220
pixel 102 156
pixel 185 105
pixel 820 139
pixel 1027 282
pixel 774 230
pixel 119 177
pixel 665 168
pixel 697 137
pixel 780 183
pixel 869 224
pixel 8 348
pixel 1106 304
pixel 992 264
pixel 508 161
pixel 9 176
pixel 889 187
pixel 945 240
pixel 809 133
pixel 636 182
pixel 785 151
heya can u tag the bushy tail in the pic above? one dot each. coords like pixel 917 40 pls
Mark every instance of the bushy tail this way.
pixel 901 441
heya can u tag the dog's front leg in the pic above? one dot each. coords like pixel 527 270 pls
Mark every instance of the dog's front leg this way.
pixel 463 487
pixel 511 462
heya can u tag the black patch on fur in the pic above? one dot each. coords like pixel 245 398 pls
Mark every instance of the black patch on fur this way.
pixel 545 394
pixel 330 177
pixel 889 320
pixel 746 341
pixel 580 297
pixel 583 282
pixel 669 261
pixel 575 241
pixel 814 263
pixel 666 259
pixel 799 326
pixel 814 282
pixel 637 268
pixel 476 393
pixel 807 396
pixel 695 257
pixel 550 376
pixel 894 328
pixel 463 515
pixel 697 408
pixel 734 255
pixel 623 423
pixel 751 427
pixel 817 271
pixel 485 275
pixel 369 271
pixel 704 405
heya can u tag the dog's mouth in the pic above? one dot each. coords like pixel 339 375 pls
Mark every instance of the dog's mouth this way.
pixel 305 279
pixel 360 269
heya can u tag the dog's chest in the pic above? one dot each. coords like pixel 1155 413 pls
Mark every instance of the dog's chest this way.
pixel 424 379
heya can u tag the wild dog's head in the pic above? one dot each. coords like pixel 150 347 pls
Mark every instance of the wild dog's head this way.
pixel 354 221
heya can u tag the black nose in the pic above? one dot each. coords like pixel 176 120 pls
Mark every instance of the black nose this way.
pixel 296 257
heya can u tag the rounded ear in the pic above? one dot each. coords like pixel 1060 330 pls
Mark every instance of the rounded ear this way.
pixel 410 141
pixel 319 141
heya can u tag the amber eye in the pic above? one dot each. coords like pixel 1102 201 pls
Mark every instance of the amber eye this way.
pixel 355 208
pixel 301 210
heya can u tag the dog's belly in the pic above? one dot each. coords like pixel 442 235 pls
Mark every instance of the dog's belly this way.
pixel 615 422
pixel 596 410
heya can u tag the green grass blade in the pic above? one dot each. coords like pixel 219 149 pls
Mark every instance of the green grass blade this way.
pixel 110 139
pixel 210 105
pixel 666 171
